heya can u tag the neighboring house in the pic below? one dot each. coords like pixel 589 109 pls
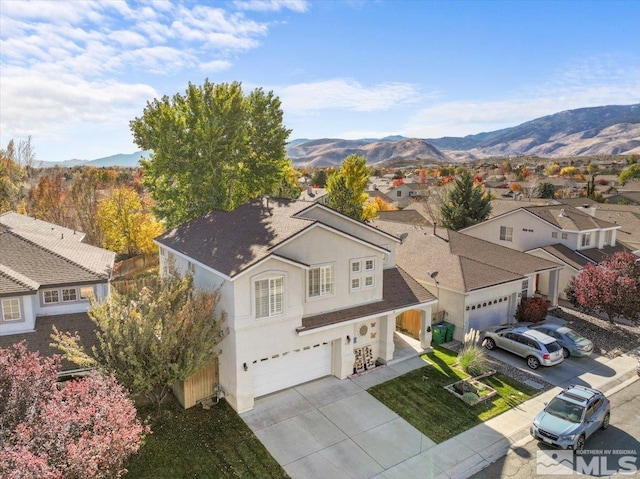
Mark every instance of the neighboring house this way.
pixel 478 284
pixel 308 292
pixel 404 194
pixel 571 187
pixel 47 276
pixel 573 236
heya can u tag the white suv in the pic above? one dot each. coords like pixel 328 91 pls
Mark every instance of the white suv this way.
pixel 536 347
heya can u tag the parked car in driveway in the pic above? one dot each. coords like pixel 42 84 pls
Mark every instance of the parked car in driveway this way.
pixel 536 347
pixel 572 343
pixel 571 417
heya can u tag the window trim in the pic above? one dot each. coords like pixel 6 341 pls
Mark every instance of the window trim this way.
pixel 272 294
pixel 3 317
pixel 585 240
pixel 323 291
pixel 506 233
pixel 60 294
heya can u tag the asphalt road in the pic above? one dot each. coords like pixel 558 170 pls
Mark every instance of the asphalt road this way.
pixel 614 452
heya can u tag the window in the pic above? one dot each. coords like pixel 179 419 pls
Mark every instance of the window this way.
pixel 368 281
pixel 554 234
pixel 525 288
pixel 191 267
pixel 586 239
pixel 361 273
pixel 86 292
pixel 70 294
pixel 398 193
pixel 355 267
pixel 11 310
pixel 565 235
pixel 51 297
pixel 369 265
pixel 269 297
pixel 355 283
pixel 607 237
pixel 320 281
pixel 506 233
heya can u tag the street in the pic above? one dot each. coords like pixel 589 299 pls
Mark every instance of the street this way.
pixel 613 452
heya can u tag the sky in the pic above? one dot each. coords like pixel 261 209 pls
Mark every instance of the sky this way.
pixel 73 74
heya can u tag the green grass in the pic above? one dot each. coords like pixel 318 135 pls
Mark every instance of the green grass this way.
pixel 420 398
pixel 197 443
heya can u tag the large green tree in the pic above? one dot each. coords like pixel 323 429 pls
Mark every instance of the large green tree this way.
pixel 631 172
pixel 212 147
pixel 148 340
pixel 466 204
pixel 346 188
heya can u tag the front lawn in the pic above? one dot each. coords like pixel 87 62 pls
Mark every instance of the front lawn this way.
pixel 420 398
pixel 201 443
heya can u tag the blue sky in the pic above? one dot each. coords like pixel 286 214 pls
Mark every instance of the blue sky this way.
pixel 74 73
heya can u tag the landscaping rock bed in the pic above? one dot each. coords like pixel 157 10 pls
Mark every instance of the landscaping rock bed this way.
pixel 609 340
pixel 471 391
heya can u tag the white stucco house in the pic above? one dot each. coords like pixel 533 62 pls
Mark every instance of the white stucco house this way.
pixel 47 276
pixel 478 284
pixel 308 292
pixel 572 236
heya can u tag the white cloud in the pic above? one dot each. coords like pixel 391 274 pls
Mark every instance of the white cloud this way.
pixel 300 6
pixel 346 94
pixel 215 66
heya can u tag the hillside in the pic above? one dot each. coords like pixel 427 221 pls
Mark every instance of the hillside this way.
pixel 331 152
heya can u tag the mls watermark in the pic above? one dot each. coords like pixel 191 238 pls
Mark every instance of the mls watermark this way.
pixel 597 462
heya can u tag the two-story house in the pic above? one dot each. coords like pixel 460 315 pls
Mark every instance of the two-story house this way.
pixel 47 277
pixel 308 292
pixel 478 283
pixel 572 236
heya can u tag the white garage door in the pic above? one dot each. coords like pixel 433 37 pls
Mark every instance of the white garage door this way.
pixel 487 316
pixel 292 368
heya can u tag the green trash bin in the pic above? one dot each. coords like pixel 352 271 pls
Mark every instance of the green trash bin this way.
pixel 449 334
pixel 439 334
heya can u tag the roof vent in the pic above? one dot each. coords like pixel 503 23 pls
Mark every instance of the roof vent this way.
pixel 562 215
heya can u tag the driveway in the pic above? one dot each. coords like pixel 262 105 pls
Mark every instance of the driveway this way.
pixel 570 371
pixel 334 428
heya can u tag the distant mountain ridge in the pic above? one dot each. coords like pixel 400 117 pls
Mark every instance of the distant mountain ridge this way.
pixel 603 130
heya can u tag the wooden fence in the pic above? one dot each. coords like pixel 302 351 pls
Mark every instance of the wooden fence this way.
pixel 201 385
pixel 134 265
pixel 410 322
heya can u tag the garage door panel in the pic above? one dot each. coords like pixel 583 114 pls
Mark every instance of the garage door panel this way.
pixel 483 318
pixel 291 368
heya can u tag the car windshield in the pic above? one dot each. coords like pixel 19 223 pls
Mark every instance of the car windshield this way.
pixel 552 347
pixel 573 336
pixel 565 410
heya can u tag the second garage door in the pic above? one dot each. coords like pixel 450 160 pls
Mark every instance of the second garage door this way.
pixel 291 368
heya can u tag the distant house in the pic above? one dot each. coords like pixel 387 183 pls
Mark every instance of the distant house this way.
pixel 478 284
pixel 47 277
pixel 308 292
pixel 573 236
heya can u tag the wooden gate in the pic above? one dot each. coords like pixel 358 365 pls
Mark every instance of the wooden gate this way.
pixel 201 385
pixel 409 322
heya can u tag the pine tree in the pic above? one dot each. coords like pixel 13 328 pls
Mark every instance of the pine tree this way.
pixel 466 204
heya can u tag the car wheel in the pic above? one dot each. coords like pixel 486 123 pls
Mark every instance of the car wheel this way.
pixel 580 443
pixel 489 343
pixel 533 362
pixel 565 353
pixel 605 421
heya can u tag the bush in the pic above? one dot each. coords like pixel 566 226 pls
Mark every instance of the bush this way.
pixel 473 360
pixel 532 309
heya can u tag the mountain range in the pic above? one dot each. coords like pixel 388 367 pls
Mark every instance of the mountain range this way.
pixel 603 130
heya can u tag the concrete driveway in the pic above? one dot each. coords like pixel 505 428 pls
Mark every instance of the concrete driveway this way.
pixel 334 428
pixel 570 371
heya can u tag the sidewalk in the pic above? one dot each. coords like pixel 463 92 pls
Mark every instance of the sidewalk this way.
pixel 473 450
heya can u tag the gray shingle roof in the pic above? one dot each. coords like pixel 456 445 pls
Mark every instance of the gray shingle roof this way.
pixel 399 290
pixel 230 241
pixel 568 218
pixel 463 263
pixel 40 339
pixel 566 255
pixel 62 241
pixel 39 265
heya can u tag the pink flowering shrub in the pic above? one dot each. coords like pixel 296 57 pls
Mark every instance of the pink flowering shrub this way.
pixel 84 428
